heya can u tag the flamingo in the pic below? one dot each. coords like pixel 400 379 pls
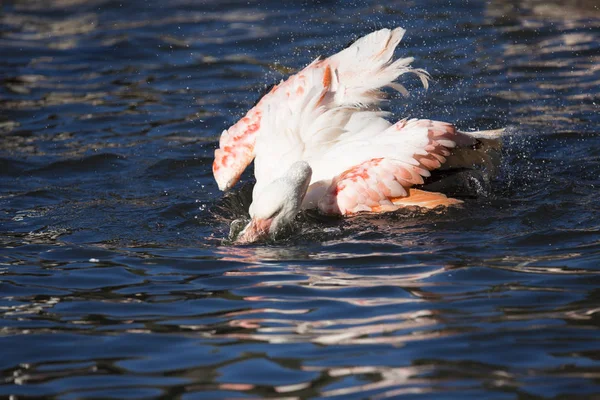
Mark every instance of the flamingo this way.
pixel 319 140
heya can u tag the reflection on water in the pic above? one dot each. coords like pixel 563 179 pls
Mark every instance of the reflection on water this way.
pixel 116 280
pixel 579 11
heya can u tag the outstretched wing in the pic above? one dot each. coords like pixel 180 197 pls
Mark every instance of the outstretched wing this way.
pixel 405 153
pixel 348 82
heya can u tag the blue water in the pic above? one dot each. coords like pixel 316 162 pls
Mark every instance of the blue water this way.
pixel 115 281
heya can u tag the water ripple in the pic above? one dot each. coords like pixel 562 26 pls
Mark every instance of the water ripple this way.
pixel 117 281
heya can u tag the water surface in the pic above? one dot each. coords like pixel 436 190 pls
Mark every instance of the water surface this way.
pixel 116 283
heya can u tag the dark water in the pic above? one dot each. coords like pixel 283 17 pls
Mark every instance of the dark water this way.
pixel 115 282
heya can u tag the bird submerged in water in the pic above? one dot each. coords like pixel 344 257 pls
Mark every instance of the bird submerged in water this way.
pixel 319 140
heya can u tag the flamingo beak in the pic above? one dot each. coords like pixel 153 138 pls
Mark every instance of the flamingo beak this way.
pixel 256 229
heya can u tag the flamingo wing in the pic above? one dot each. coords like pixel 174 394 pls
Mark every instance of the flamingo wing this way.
pixel 406 151
pixel 327 93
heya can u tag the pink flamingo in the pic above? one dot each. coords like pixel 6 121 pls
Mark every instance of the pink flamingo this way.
pixel 319 140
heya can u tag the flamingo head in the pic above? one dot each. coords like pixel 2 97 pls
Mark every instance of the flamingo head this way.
pixel 276 206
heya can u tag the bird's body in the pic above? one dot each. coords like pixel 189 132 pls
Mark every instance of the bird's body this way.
pixel 325 122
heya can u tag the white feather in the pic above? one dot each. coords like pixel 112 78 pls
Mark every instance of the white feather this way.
pixel 339 126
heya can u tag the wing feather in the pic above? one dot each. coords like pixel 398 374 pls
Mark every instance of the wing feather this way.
pixel 375 182
pixel 316 107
